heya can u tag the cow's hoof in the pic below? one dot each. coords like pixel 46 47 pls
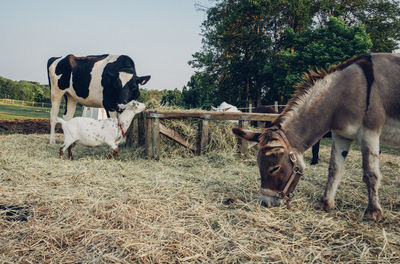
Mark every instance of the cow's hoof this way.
pixel 375 215
pixel 314 162
pixel 324 205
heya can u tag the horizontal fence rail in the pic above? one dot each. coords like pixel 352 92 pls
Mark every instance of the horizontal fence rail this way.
pixel 209 115
pixel 146 129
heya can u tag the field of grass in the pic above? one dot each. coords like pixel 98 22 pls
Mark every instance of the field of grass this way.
pixel 183 210
pixel 14 111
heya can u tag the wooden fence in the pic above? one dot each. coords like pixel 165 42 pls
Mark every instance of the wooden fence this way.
pixel 146 129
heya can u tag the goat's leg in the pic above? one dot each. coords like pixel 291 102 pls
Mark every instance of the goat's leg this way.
pixel 114 154
pixel 70 152
pixel 340 148
pixel 69 143
pixel 371 175
pixel 61 152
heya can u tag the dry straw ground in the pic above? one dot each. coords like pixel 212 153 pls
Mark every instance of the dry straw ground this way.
pixel 183 209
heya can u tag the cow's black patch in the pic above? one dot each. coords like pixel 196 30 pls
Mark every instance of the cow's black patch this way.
pixel 344 154
pixel 64 68
pixel 111 83
pixel 81 73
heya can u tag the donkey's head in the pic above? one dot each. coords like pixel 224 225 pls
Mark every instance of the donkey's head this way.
pixel 280 166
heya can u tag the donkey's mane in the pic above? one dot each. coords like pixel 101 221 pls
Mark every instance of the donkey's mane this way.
pixel 310 78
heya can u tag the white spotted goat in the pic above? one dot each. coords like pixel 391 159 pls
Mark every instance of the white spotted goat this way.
pixel 90 132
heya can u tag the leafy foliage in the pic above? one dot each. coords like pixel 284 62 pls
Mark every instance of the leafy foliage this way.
pixel 315 49
pixel 172 97
pixel 257 50
pixel 24 90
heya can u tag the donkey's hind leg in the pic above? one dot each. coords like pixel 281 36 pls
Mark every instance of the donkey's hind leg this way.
pixel 340 148
pixel 371 173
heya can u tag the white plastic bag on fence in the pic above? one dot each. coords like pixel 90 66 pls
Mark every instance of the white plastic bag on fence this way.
pixel 95 113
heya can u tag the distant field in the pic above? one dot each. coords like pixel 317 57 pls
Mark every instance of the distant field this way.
pixel 14 111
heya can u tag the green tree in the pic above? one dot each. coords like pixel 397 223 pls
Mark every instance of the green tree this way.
pixel 247 53
pixel 24 90
pixel 315 49
pixel 199 91
pixel 236 44
pixel 380 18
pixel 172 98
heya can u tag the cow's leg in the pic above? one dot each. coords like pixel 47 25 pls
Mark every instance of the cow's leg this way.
pixel 340 148
pixel 315 150
pixel 55 107
pixel 71 107
pixel 371 173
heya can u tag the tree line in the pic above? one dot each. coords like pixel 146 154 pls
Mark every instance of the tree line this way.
pixel 34 91
pixel 24 90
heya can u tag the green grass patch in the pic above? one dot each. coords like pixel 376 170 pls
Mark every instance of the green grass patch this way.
pixel 14 111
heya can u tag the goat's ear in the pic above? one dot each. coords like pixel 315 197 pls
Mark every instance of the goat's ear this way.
pixel 122 106
pixel 246 134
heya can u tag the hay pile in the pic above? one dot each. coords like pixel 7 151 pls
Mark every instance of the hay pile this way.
pixel 182 209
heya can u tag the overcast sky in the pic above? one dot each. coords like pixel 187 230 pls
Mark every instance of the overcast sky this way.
pixel 159 35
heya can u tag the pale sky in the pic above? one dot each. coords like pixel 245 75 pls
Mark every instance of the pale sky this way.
pixel 159 35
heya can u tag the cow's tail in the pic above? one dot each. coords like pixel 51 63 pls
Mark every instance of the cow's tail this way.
pixel 49 62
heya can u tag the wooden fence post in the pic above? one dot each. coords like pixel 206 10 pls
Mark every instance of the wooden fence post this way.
pixel 243 143
pixel 156 138
pixel 276 107
pixel 203 135
pixel 141 130
pixel 132 135
pixel 148 139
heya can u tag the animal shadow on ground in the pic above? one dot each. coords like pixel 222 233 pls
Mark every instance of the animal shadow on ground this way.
pixel 14 213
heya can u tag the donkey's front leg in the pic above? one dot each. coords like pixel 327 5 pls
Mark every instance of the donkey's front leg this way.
pixel 372 175
pixel 340 148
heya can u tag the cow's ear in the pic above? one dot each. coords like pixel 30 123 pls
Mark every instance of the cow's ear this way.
pixel 246 134
pixel 143 80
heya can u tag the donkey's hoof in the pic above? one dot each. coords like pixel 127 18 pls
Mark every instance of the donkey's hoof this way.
pixel 324 205
pixel 375 215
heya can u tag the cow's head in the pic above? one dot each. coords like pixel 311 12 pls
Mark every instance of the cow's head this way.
pixel 279 165
pixel 129 88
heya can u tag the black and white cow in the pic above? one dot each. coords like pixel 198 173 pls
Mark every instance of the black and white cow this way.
pixel 94 81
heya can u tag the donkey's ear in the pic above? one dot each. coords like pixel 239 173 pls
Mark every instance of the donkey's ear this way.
pixel 246 134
